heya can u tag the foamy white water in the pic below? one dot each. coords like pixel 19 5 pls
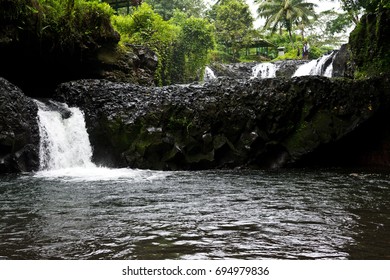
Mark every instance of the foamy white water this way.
pixel 329 71
pixel 65 151
pixel 209 74
pixel 93 174
pixel 316 67
pixel 64 143
pixel 264 70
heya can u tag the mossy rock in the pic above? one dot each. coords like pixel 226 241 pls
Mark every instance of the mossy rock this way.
pixel 370 44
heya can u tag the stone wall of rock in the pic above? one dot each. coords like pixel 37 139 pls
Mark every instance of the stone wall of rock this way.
pixel 225 123
pixel 19 132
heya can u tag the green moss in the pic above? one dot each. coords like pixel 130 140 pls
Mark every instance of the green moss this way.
pixel 310 133
pixel 176 122
pixel 370 45
pixel 64 25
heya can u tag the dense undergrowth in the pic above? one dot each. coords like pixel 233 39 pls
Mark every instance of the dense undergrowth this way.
pixel 370 44
pixel 182 43
pixel 59 25
pixel 76 26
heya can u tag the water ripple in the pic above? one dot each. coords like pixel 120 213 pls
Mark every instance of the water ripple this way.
pixel 142 214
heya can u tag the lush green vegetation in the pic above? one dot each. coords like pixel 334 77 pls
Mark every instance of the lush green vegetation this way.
pixel 67 24
pixel 182 43
pixel 184 34
pixel 287 13
pixel 166 8
pixel 233 22
pixel 370 45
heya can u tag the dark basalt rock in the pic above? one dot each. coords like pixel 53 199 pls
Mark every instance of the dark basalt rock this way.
pixel 233 70
pixel 129 64
pixel 19 132
pixel 343 66
pixel 225 123
pixel 287 68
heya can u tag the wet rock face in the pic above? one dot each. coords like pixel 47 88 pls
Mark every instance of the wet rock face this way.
pixel 19 132
pixel 233 70
pixel 287 68
pixel 223 124
pixel 343 66
pixel 132 64
pixel 370 43
pixel 39 74
pixel 284 69
pixel 37 56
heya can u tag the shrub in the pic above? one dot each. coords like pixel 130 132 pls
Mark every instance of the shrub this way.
pixel 181 44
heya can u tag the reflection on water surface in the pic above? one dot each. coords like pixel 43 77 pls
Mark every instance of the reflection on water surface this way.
pixel 134 214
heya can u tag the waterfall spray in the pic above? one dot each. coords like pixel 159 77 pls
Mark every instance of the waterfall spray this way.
pixel 264 70
pixel 208 74
pixel 64 142
pixel 321 67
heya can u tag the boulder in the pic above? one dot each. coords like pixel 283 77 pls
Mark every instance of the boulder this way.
pixel 343 65
pixel 128 64
pixel 19 132
pixel 233 70
pixel 283 69
pixel 287 68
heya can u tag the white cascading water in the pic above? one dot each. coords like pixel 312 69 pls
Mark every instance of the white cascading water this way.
pixel 264 70
pixel 316 67
pixel 329 71
pixel 64 143
pixel 208 74
pixel 65 151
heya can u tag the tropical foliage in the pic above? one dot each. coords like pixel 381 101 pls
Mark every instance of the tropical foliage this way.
pixel 234 24
pixel 181 44
pixel 166 8
pixel 71 23
pixel 183 33
pixel 196 39
pixel 355 8
pixel 286 13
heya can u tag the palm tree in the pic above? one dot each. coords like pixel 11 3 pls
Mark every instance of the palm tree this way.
pixel 286 13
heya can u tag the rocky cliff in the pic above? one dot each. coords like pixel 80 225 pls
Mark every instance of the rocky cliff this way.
pixel 226 123
pixel 370 44
pixel 19 132
pixel 42 46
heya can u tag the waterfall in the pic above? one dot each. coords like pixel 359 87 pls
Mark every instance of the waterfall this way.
pixel 329 70
pixel 264 70
pixel 323 66
pixel 65 151
pixel 208 74
pixel 64 141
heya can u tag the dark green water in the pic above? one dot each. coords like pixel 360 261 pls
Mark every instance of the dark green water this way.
pixel 124 214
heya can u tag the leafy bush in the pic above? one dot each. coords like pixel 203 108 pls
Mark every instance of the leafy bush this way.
pixel 145 27
pixel 196 39
pixel 181 44
pixel 77 22
pixel 63 23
